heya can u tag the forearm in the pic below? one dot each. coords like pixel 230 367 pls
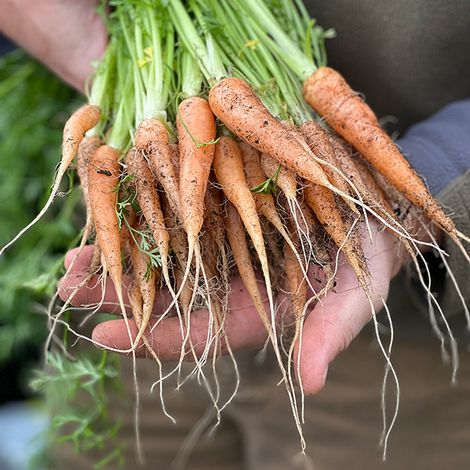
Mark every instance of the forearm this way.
pixel 65 35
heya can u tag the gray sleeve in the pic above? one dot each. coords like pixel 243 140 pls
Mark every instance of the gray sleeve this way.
pixel 439 150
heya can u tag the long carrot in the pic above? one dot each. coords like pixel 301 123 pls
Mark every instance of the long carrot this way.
pixel 347 113
pixel 228 166
pixel 241 254
pixel 149 203
pixel 81 121
pixel 235 103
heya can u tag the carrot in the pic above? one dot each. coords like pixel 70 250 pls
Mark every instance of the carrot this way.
pixel 322 202
pixel 87 147
pixel 319 142
pixel 346 112
pixel 175 159
pixel 285 179
pixel 228 166
pixel 146 278
pixel 82 120
pixel 149 203
pixel 241 254
pixel 196 130
pixel 103 178
pixel 152 138
pixel 235 103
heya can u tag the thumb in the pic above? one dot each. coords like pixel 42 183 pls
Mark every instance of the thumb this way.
pixel 339 317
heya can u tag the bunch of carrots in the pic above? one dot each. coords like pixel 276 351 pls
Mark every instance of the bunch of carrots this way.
pixel 216 142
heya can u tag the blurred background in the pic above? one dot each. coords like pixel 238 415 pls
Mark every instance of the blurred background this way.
pixel 33 108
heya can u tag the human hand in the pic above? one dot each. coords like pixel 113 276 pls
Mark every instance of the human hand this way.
pixel 66 35
pixel 329 328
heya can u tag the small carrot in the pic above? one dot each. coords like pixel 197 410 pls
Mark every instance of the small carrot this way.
pixel 347 113
pixel 87 147
pixel 228 166
pixel 103 178
pixel 322 202
pixel 149 203
pixel 285 179
pixel 318 140
pixel 81 121
pixel 241 254
pixel 146 278
pixel 151 137
pixel 196 132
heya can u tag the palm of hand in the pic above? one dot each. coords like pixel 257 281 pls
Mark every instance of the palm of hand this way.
pixel 328 329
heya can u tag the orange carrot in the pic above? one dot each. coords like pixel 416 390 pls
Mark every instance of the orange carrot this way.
pixel 235 103
pixel 151 137
pixel 228 166
pixel 322 202
pixel 149 203
pixel 82 120
pixel 103 178
pixel 146 278
pixel 241 254
pixel 285 180
pixel 87 147
pixel 196 130
pixel 347 113
pixel 319 142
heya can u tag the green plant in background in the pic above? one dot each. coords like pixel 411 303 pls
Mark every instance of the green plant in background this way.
pixel 34 108
pixel 78 394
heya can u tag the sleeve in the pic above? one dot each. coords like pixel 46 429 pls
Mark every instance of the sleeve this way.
pixel 439 150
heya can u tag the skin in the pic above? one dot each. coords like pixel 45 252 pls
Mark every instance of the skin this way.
pixel 38 27
pixel 328 329
pixel 66 35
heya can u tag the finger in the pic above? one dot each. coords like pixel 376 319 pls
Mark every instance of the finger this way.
pixel 243 328
pixel 81 258
pixel 78 293
pixel 340 316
